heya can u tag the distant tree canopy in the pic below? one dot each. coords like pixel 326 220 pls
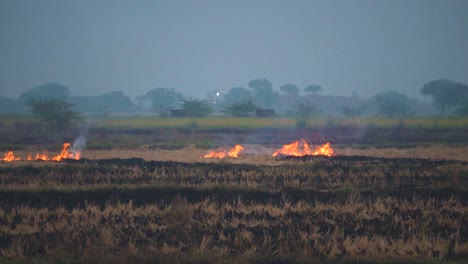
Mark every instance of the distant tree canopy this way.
pixel 445 93
pixel 263 92
pixel 237 95
pixel 447 97
pixel 109 102
pixel 115 102
pixel 463 108
pixel 290 89
pixel 391 104
pixel 9 105
pixel 164 99
pixel 313 88
pixel 196 108
pixel 45 91
pixel 240 109
pixel 56 113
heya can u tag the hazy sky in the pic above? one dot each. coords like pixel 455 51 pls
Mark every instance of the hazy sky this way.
pixel 194 45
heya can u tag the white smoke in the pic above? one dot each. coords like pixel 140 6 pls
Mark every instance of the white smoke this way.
pixel 78 144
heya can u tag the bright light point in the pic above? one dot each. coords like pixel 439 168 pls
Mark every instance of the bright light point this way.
pixel 217 93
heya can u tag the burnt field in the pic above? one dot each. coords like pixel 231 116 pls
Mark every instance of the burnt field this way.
pixel 299 209
pixel 397 194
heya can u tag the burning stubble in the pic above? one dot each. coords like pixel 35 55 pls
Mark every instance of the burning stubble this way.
pixel 68 152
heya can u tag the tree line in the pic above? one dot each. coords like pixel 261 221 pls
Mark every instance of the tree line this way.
pixel 447 97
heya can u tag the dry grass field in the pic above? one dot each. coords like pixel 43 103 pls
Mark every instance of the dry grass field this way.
pixel 150 196
pixel 255 154
pixel 285 209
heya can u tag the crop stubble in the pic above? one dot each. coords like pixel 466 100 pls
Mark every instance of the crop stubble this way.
pixel 308 208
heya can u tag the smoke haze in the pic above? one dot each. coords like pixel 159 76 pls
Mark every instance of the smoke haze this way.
pixel 364 46
pixel 79 144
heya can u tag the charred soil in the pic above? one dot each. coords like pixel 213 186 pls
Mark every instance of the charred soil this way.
pixel 312 208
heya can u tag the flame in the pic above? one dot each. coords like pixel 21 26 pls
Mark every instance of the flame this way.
pixel 214 154
pixel 38 157
pixel 233 153
pixel 65 154
pixel 10 157
pixel 295 149
pixel 324 150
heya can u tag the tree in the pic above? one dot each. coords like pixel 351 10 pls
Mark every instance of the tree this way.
pixel 164 99
pixel 313 88
pixel 445 93
pixel 56 113
pixel 240 109
pixel 237 95
pixel 304 111
pixel 290 89
pixel 196 108
pixel 115 101
pixel 263 92
pixel 463 108
pixel 45 91
pixel 391 103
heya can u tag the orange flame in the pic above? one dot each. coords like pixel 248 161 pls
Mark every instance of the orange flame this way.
pixel 324 150
pixel 295 149
pixel 233 153
pixel 38 157
pixel 65 154
pixel 214 154
pixel 10 157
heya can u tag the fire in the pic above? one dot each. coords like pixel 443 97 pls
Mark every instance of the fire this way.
pixel 324 150
pixel 10 157
pixel 38 157
pixel 65 154
pixel 233 153
pixel 297 149
pixel 214 154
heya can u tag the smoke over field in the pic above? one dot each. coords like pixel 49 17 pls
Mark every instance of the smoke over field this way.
pixel 239 195
pixel 204 131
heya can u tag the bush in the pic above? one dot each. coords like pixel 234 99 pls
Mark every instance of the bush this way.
pixel 240 109
pixel 57 114
pixel 196 108
pixel 304 111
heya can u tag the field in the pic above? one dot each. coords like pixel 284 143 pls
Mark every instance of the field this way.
pixel 231 122
pixel 392 193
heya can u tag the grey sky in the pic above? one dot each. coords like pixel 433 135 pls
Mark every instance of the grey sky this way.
pixel 195 46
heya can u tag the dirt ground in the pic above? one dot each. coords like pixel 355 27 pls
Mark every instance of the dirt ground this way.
pixel 255 154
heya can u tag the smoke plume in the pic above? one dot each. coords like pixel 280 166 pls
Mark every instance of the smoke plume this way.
pixel 78 144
